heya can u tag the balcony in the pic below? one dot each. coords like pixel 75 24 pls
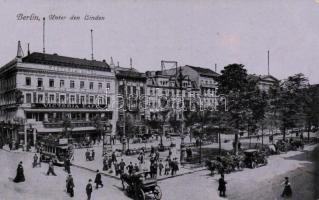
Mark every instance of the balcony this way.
pixel 74 124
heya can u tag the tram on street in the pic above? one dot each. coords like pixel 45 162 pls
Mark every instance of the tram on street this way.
pixel 57 150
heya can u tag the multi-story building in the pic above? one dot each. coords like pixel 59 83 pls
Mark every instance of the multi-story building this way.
pixel 131 86
pixel 54 88
pixel 265 82
pixel 170 91
pixel 203 81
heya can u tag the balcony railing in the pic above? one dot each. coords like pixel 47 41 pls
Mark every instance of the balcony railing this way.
pixel 73 123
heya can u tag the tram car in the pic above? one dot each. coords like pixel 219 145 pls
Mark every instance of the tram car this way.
pixel 57 150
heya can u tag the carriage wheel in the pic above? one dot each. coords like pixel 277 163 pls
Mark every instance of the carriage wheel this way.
pixel 157 193
pixel 140 195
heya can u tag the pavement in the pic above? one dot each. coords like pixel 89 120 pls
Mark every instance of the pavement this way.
pixel 250 184
pixel 97 164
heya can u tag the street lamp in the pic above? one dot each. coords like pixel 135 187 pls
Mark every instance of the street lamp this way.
pixel 180 79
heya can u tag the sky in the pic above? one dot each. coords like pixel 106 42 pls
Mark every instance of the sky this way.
pixel 200 33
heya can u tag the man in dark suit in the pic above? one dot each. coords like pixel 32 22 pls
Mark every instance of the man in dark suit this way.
pixel 98 179
pixel 89 189
pixel 222 186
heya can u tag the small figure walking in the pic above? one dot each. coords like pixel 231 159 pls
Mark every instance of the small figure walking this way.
pixel 167 169
pixel 20 174
pixel 287 189
pixel 35 160
pixel 67 165
pixel 89 189
pixel 92 155
pixel 98 179
pixel 70 185
pixel 87 155
pixel 160 167
pixel 222 186
pixel 51 169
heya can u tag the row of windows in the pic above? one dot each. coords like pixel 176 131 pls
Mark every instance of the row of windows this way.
pixel 207 82
pixel 62 83
pixel 53 98
pixel 131 90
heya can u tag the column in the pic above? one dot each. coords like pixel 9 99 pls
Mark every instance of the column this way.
pixel 86 116
pixel 34 136
pixel 25 137
pixel 46 117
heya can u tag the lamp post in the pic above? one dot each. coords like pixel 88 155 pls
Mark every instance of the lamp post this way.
pixel 180 79
pixel 124 115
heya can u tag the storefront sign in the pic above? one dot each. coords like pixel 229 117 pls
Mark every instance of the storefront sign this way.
pixel 64 106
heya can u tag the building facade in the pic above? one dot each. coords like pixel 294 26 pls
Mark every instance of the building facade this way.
pixel 203 81
pixel 40 91
pixel 131 86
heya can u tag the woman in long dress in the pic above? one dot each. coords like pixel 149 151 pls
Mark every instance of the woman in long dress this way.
pixel 20 174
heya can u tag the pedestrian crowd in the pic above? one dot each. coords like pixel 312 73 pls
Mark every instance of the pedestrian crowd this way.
pixel 157 166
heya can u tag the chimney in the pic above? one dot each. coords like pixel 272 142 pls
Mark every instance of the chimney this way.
pixel 28 49
pixel 112 62
pixel 131 63
pixel 19 51
pixel 215 67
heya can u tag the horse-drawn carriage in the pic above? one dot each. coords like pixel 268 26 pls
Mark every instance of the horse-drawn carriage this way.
pixel 254 158
pixel 292 144
pixel 140 184
pixel 225 164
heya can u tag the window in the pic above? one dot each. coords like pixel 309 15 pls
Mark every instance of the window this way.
pixel 82 99
pixel 40 82
pixel 62 98
pixel 28 98
pixel 72 98
pixel 51 98
pixel 82 84
pixel 128 91
pixel 91 99
pixel 100 100
pixel 61 83
pixel 91 85
pixel 27 81
pixel 108 100
pixel 108 86
pixel 134 90
pixel 51 83
pixel 71 84
pixel 40 98
pixel 100 86
pixel 141 90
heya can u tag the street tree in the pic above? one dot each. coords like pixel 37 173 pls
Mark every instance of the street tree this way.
pixel 291 102
pixel 233 83
pixel 311 108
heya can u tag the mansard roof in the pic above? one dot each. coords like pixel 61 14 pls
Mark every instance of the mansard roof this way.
pixel 57 60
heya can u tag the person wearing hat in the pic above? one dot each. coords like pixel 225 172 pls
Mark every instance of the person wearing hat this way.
pixel 89 189
pixel 70 185
pixel 222 186
pixel 98 179
pixel 287 189
pixel 51 169
pixel 20 174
